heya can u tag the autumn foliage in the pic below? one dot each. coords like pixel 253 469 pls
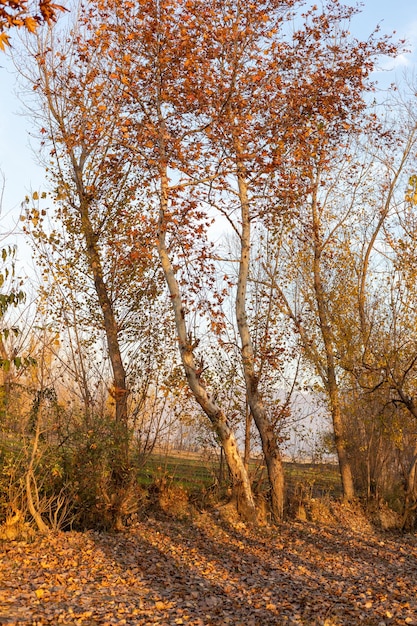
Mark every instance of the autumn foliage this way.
pixel 220 193
pixel 209 573
pixel 22 14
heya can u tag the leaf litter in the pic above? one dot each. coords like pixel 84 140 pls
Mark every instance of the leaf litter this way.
pixel 204 572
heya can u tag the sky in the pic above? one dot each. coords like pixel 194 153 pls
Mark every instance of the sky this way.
pixel 18 151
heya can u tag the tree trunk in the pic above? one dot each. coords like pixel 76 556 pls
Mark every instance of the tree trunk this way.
pixel 410 500
pixel 240 481
pixel 265 428
pixel 329 348
pixel 120 466
pixel 340 443
pixel 272 454
pixel 30 479
pixel 120 391
pixel 248 423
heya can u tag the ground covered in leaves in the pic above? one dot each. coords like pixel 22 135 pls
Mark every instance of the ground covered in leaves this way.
pixel 206 571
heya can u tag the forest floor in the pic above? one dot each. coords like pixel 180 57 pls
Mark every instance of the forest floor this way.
pixel 208 570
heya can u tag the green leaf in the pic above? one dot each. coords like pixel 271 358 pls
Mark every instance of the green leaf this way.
pixel 5 365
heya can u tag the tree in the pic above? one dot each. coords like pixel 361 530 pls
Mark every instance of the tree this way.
pixel 217 106
pixel 381 357
pixel 103 243
pixel 328 93
pixel 157 109
pixel 278 111
pixel 14 356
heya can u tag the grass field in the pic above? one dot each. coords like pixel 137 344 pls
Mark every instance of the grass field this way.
pixel 195 472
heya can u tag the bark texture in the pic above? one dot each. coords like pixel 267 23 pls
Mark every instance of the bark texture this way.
pixel 240 479
pixel 330 378
pixel 270 446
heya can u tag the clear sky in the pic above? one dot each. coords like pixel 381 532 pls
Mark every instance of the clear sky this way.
pixel 18 151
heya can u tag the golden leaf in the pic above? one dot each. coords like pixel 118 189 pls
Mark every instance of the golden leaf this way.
pixel 31 24
pixel 4 41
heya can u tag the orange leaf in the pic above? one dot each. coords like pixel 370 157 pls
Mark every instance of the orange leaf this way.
pixel 31 24
pixel 4 41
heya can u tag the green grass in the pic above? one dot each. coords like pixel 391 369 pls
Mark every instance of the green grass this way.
pixel 196 473
pixel 191 472
pixel 319 478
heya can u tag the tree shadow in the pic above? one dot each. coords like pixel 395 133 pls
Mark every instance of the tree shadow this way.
pixel 298 576
pixel 182 581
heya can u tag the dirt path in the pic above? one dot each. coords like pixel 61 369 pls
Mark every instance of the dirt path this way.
pixel 204 573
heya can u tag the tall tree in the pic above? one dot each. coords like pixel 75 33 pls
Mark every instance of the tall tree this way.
pixel 283 104
pixel 380 357
pixel 160 127
pixel 330 80
pixel 93 190
pixel 214 105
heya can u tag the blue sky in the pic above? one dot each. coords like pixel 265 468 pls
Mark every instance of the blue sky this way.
pixel 18 151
